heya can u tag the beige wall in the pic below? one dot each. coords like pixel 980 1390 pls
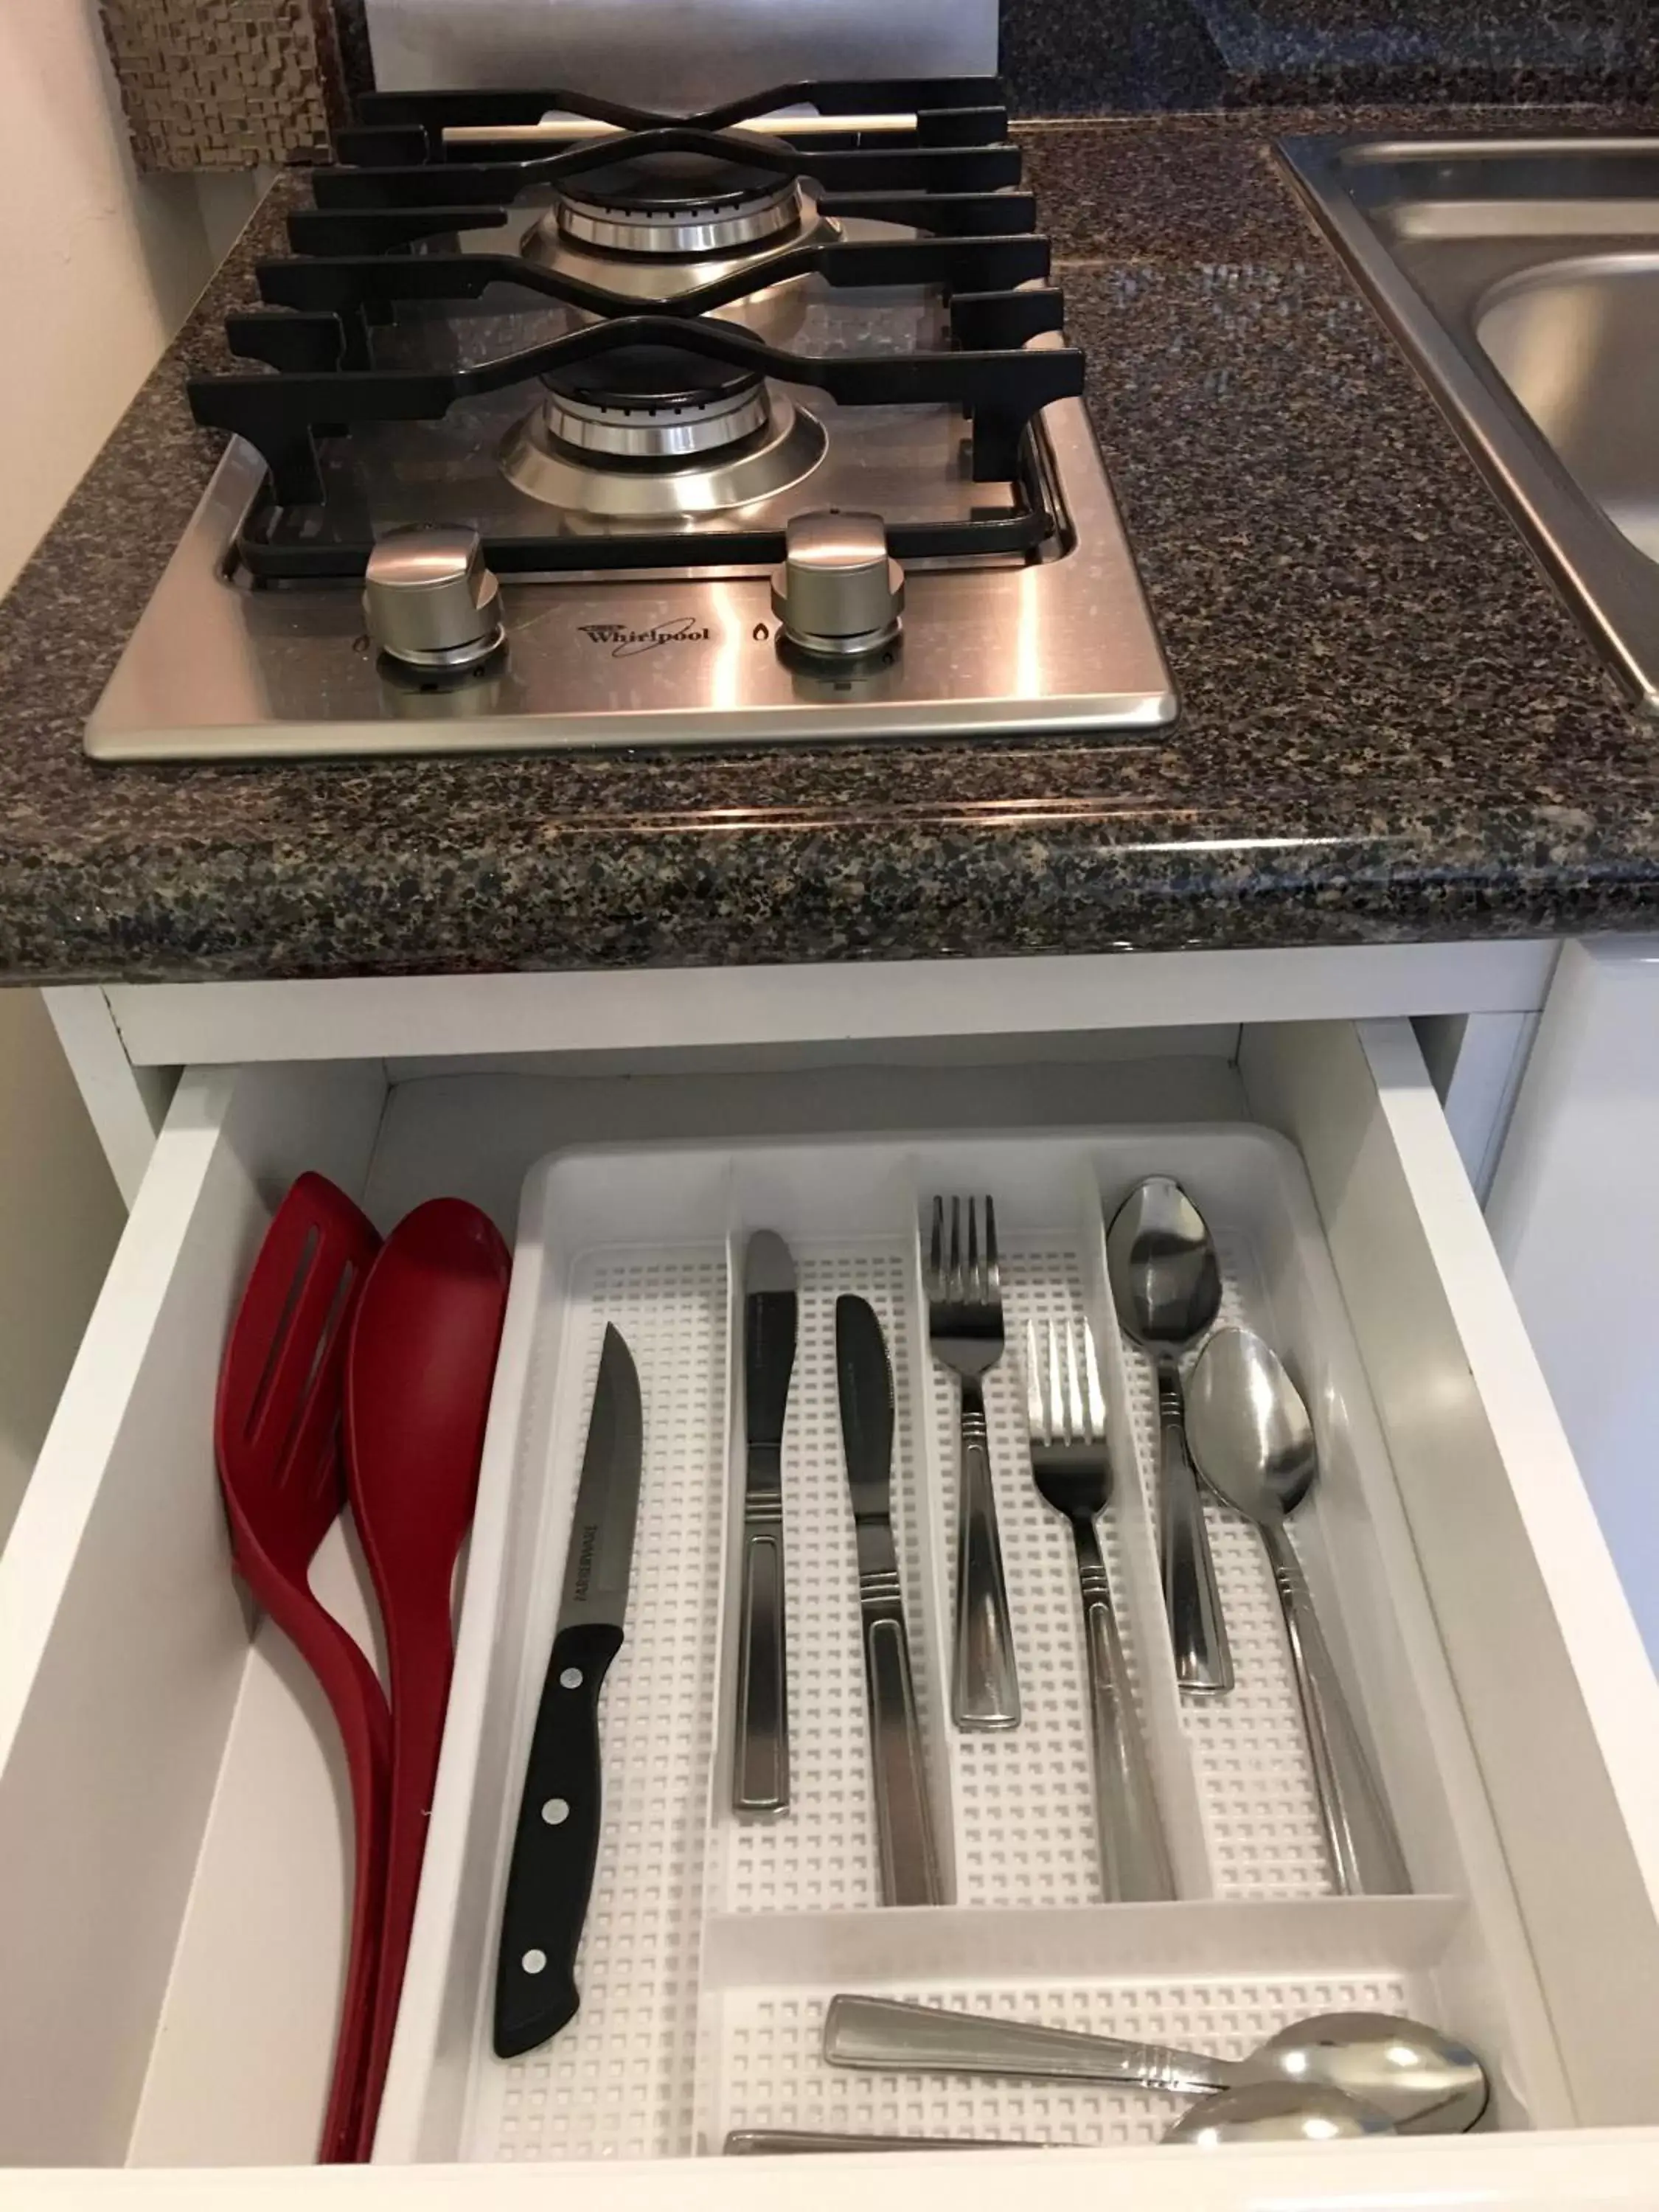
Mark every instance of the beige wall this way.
pixel 98 268
pixel 98 265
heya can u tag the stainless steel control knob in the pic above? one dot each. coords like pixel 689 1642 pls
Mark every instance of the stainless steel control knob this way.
pixel 838 591
pixel 429 601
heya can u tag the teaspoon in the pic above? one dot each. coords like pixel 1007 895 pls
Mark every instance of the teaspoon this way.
pixel 1264 2111
pixel 1426 2082
pixel 1253 1443
pixel 1166 1286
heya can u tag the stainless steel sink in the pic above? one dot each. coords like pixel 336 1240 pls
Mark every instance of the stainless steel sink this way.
pixel 1522 275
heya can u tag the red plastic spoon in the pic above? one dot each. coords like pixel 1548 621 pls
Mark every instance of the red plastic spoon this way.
pixel 276 1432
pixel 418 1374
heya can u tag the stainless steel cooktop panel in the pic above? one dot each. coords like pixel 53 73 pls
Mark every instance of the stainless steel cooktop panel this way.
pixel 216 670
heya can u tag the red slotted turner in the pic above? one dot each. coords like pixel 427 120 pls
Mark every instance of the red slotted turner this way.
pixel 278 1436
pixel 418 1377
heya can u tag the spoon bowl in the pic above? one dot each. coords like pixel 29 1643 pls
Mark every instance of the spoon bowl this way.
pixel 1248 1428
pixel 1166 1284
pixel 1276 2111
pixel 1421 2079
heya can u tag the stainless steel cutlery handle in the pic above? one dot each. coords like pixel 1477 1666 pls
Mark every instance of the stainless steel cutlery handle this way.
pixel 985 1682
pixel 887 2036
pixel 904 1822
pixel 778 2143
pixel 1134 1856
pixel 759 1773
pixel 1364 1844
pixel 1198 1634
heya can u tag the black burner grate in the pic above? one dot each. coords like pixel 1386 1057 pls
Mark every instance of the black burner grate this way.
pixel 372 245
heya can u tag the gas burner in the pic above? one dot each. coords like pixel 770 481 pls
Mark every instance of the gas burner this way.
pixel 652 226
pixel 653 404
pixel 656 430
pixel 685 205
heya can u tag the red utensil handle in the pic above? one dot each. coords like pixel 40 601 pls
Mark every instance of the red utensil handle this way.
pixel 359 1711
pixel 422 1660
pixel 370 1768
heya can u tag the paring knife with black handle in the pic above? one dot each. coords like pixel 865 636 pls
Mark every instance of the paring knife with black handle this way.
pixel 760 1771
pixel 904 1826
pixel 557 1837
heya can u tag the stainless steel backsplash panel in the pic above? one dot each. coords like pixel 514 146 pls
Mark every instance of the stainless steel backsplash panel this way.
pixel 678 55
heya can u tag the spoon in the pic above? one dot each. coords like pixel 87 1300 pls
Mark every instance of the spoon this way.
pixel 419 1368
pixel 1254 1446
pixel 1424 2081
pixel 1167 1288
pixel 1263 2112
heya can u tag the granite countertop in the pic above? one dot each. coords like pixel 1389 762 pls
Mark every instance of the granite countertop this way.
pixel 1392 729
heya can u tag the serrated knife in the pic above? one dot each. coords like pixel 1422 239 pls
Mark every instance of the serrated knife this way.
pixel 760 1771
pixel 904 1826
pixel 557 1838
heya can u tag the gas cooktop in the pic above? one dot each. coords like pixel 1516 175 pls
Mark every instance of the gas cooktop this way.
pixel 573 426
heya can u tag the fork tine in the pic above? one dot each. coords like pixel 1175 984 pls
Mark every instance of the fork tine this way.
pixel 954 1288
pixel 936 1253
pixel 1075 1431
pixel 1035 1418
pixel 1096 1396
pixel 1056 1388
pixel 970 1281
pixel 993 1271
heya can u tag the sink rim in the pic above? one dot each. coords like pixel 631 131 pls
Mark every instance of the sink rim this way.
pixel 1607 583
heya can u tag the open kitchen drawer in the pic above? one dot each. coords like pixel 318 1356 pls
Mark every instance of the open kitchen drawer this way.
pixel 173 1827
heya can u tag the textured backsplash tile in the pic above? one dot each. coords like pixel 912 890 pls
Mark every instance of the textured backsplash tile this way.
pixel 225 84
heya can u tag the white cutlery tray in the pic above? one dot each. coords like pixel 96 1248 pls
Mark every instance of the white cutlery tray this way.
pixel 712 1945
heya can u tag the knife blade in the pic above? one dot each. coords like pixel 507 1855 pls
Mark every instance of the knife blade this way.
pixel 760 1771
pixel 904 1826
pixel 557 1837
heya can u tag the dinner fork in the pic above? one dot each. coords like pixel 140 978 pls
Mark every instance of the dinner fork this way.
pixel 964 1332
pixel 1066 1413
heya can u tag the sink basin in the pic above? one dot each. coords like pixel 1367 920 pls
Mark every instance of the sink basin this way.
pixel 1521 277
pixel 1577 343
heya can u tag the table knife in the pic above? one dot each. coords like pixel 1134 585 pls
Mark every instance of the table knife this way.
pixel 557 1837
pixel 904 1827
pixel 759 1773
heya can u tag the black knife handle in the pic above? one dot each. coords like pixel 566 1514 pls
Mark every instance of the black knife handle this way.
pixel 555 1847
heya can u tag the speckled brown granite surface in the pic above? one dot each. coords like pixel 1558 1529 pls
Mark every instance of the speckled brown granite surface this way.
pixel 1392 728
pixel 1074 56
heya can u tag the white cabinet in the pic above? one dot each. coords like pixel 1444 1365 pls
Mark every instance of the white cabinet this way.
pixel 170 1922
pixel 1574 1212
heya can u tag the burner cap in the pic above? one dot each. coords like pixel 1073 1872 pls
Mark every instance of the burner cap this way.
pixel 658 403
pixel 641 379
pixel 679 205
pixel 670 183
